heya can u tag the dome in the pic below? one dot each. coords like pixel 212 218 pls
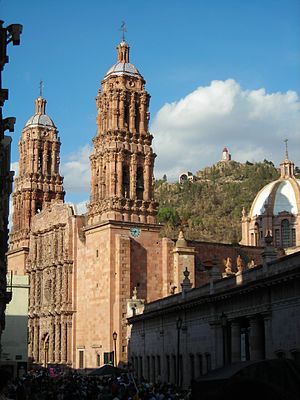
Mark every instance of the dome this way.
pixel 123 69
pixel 280 195
pixel 40 119
pixel 123 66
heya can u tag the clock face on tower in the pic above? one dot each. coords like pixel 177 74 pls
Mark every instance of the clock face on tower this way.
pixel 135 231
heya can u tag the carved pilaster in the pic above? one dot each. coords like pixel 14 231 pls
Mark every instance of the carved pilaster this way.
pixel 63 340
pixel 57 340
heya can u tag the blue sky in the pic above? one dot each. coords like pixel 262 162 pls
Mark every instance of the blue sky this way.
pixel 220 73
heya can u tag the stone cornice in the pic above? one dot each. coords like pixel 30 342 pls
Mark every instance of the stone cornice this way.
pixel 122 225
pixel 177 303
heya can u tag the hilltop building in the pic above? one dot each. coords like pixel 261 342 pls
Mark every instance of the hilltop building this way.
pixel 225 155
pixel 186 177
pixel 83 269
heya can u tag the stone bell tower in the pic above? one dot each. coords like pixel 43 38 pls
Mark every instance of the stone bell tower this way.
pixel 122 161
pixel 122 243
pixel 38 182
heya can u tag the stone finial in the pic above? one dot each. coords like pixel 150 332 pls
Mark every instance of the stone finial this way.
pixel 181 242
pixel 269 253
pixel 186 283
pixel 228 266
pixel 239 263
pixel 268 238
pixel 134 293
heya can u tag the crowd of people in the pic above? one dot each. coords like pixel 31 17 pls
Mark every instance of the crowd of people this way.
pixel 42 384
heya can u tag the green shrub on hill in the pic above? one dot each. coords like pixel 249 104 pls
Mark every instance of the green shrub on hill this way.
pixel 210 209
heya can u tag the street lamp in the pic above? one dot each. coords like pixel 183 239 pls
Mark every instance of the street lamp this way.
pixel 178 327
pixel 115 335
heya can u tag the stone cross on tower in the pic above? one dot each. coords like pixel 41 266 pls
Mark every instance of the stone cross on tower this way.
pixel 123 29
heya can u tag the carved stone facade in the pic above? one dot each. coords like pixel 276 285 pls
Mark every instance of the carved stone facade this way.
pixel 83 269
pixel 50 268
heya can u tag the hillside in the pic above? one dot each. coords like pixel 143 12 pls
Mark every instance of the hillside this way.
pixel 210 209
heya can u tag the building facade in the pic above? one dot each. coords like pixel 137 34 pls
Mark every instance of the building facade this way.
pixel 253 314
pixel 276 209
pixel 83 269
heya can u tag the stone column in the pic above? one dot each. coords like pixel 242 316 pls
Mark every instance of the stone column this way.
pixel 133 169
pixel 64 290
pixel 58 287
pixel 107 175
pixel 36 341
pixel 45 157
pixel 217 344
pixel 268 335
pixel 52 341
pixel 132 114
pixel 69 340
pixel 256 339
pixel 119 174
pixel 121 114
pixel 147 179
pixel 70 283
pixel 36 289
pixel 235 341
pixel 63 340
pixel 115 110
pixel 34 155
pixel 57 340
pixel 113 175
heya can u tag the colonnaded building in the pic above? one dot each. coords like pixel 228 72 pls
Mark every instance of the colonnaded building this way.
pixel 87 272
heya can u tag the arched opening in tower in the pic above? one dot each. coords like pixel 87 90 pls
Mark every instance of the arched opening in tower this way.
pixel 139 183
pixel 125 181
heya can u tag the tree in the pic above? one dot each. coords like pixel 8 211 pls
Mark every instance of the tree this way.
pixel 168 215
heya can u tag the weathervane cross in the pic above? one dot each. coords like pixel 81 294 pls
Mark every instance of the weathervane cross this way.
pixel 41 88
pixel 123 29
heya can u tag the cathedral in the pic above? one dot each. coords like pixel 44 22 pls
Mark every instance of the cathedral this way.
pixel 86 271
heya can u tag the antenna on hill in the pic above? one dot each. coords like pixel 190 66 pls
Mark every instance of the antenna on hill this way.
pixel 123 29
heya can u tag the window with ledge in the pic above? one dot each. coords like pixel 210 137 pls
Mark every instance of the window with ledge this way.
pixel 293 237
pixel 277 237
pixel 81 358
pixel 285 233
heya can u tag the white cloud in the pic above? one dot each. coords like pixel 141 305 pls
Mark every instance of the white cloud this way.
pixel 76 171
pixel 81 208
pixel 190 134
pixel 14 166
